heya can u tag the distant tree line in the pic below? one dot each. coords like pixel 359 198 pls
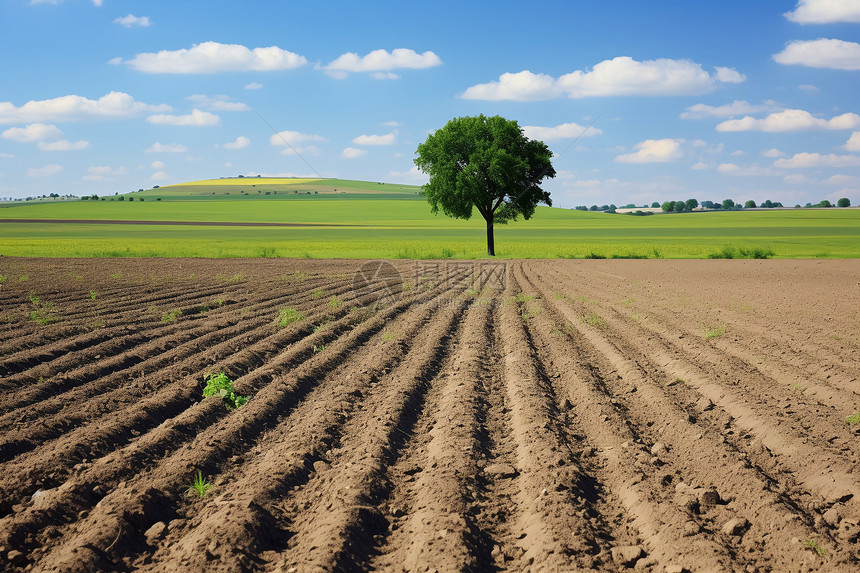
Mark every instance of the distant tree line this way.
pixel 724 205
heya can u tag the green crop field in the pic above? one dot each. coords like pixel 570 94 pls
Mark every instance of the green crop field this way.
pixel 372 220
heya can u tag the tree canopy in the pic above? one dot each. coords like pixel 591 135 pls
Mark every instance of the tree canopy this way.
pixel 488 164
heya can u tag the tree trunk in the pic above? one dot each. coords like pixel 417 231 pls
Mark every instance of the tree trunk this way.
pixel 491 247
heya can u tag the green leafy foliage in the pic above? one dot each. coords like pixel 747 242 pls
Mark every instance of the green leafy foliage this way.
pixel 221 385
pixel 171 316
pixel 200 486
pixel 287 316
pixel 488 164
pixel 853 419
pixel 814 546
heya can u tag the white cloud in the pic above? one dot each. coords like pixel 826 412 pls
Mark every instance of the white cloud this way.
pixel 32 132
pixel 254 86
pixel 240 142
pixel 853 143
pixel 73 107
pixel 196 118
pixel 825 12
pixel 212 57
pixel 63 145
pixel 380 63
pixel 621 76
pixel 562 131
pixel 821 53
pixel 392 124
pixel 98 3
pixel 45 171
pixel 292 138
pixel 729 75
pixel 700 110
pixel 626 76
pixel 413 175
pixel 700 166
pixel 773 152
pixel 158 165
pixel 808 88
pixel 352 152
pixel 132 20
pixel 7 155
pixel 653 151
pixel 218 103
pixel 840 180
pixel 732 169
pixel 387 139
pixel 520 86
pixel 790 120
pixel 160 176
pixel 801 160
pixel 166 148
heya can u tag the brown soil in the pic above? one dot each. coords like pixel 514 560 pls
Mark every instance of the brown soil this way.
pixel 448 416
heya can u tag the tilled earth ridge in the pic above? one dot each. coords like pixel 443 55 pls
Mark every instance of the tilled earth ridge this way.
pixel 431 415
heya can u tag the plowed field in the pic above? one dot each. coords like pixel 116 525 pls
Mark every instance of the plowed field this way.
pixel 481 416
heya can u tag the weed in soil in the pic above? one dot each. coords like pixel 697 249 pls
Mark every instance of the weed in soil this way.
pixel 221 385
pixel 200 486
pixel 287 316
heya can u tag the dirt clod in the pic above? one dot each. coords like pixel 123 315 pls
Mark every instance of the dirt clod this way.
pixel 626 555
pixel 735 526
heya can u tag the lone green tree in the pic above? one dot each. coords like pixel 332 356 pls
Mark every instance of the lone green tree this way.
pixel 488 164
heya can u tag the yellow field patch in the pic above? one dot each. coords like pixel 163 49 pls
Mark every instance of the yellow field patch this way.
pixel 247 181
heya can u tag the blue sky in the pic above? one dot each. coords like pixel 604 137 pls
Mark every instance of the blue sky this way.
pixel 640 101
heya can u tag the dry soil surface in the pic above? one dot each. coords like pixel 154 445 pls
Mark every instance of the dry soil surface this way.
pixel 421 416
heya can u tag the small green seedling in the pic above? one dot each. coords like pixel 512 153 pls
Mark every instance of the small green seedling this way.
pixel 714 332
pixel 558 296
pixel 200 486
pixel 221 385
pixel 319 348
pixel 813 545
pixel 627 302
pixel 594 319
pixel 798 387
pixel 334 302
pixel 853 419
pixel 171 316
pixel 388 336
pixel 287 316
pixel 116 275
pixel 317 293
pixel 92 295
pixel 2 279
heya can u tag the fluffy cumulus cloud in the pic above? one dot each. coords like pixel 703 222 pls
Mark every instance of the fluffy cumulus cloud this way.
pixel 159 176
pixel 45 171
pixel 381 63
pixel 729 75
pixel 63 145
pixel 802 160
pixel 240 142
pixel 825 11
pixel 773 152
pixel 853 143
pixel 562 131
pixel 212 57
pixel 196 118
pixel 387 139
pixel 289 138
pixel 821 53
pixel 352 152
pixel 132 20
pixel 158 165
pixel 217 103
pixel 654 151
pixel 790 120
pixel 166 148
pixel 621 76
pixel 254 86
pixel 413 175
pixel 74 107
pixel 32 132
pixel 700 110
